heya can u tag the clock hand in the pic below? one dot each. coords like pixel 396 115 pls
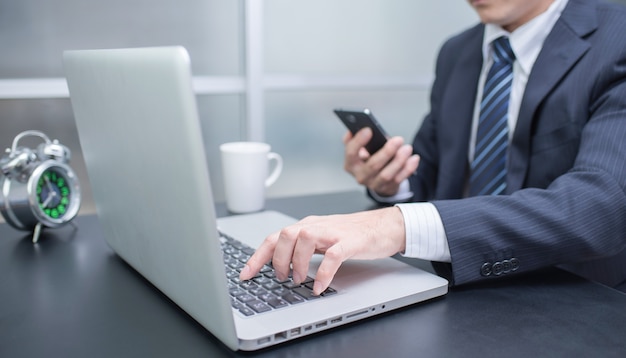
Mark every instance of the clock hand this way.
pixel 51 190
pixel 48 184
pixel 49 199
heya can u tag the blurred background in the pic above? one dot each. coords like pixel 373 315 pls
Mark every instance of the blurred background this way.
pixel 269 70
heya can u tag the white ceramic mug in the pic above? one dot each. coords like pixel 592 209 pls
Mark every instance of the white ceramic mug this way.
pixel 245 166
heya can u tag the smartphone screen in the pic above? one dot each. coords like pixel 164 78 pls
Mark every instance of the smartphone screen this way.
pixel 355 120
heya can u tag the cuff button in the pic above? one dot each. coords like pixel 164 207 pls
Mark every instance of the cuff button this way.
pixel 485 269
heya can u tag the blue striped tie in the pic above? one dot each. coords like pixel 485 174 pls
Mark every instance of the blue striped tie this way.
pixel 488 169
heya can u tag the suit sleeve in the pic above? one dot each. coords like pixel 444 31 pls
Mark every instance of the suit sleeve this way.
pixel 580 216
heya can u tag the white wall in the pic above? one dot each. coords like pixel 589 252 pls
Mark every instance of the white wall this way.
pixel 269 69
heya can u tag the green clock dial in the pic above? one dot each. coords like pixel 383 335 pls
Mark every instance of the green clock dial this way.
pixel 53 193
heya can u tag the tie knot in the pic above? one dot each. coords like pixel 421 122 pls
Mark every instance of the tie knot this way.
pixel 502 51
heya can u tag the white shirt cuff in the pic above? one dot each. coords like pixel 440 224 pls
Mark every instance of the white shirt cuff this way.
pixel 404 193
pixel 425 235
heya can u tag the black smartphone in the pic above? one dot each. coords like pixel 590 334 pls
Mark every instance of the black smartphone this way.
pixel 356 120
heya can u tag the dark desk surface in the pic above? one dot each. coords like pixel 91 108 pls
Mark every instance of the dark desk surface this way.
pixel 70 296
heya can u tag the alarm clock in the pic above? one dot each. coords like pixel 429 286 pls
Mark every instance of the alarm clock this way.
pixel 38 187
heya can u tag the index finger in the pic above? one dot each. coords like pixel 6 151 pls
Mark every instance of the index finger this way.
pixel 261 256
pixel 358 141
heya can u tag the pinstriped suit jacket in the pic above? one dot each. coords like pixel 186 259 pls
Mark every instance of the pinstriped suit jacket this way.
pixel 566 181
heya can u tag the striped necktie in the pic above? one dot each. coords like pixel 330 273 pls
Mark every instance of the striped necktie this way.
pixel 488 169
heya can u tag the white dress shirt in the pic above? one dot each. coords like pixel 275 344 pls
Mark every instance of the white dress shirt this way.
pixel 425 235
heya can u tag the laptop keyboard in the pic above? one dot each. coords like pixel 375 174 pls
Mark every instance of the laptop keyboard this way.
pixel 264 292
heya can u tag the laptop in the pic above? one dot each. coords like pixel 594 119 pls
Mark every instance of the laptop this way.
pixel 139 130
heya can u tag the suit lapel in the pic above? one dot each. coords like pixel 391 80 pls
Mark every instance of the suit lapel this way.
pixel 561 50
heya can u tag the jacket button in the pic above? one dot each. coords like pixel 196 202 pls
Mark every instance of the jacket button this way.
pixel 514 263
pixel 497 268
pixel 506 266
pixel 485 269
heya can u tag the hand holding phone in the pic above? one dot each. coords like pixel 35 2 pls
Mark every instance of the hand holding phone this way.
pixel 356 120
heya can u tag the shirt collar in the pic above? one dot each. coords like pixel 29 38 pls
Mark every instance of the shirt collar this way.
pixel 527 40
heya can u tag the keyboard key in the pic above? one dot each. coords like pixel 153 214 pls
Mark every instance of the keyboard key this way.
pixel 293 298
pixel 266 296
pixel 246 297
pixel 246 311
pixel 271 286
pixel 277 302
pixel 236 280
pixel 232 273
pixel 259 306
pixel 237 305
pixel 290 284
pixel 258 291
pixel 248 251
pixel 262 280
pixel 285 281
pixel 236 265
pixel 237 292
pixel 305 292
pixel 248 285
pixel 279 291
pixel 329 291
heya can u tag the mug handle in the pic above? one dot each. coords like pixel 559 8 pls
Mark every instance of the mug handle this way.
pixel 278 168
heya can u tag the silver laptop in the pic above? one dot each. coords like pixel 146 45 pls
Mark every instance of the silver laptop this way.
pixel 138 125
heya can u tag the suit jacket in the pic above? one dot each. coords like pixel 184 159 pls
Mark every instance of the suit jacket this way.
pixel 566 181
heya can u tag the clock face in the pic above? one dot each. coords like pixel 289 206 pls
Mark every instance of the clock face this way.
pixel 54 193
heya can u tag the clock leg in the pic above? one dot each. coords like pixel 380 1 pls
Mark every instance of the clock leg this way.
pixel 36 233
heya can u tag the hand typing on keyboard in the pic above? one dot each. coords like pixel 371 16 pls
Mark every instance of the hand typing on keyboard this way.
pixel 364 235
pixel 263 292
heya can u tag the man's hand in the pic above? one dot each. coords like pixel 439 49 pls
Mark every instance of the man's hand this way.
pixel 383 171
pixel 364 235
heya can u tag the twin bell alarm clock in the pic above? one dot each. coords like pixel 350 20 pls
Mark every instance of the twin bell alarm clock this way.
pixel 38 188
